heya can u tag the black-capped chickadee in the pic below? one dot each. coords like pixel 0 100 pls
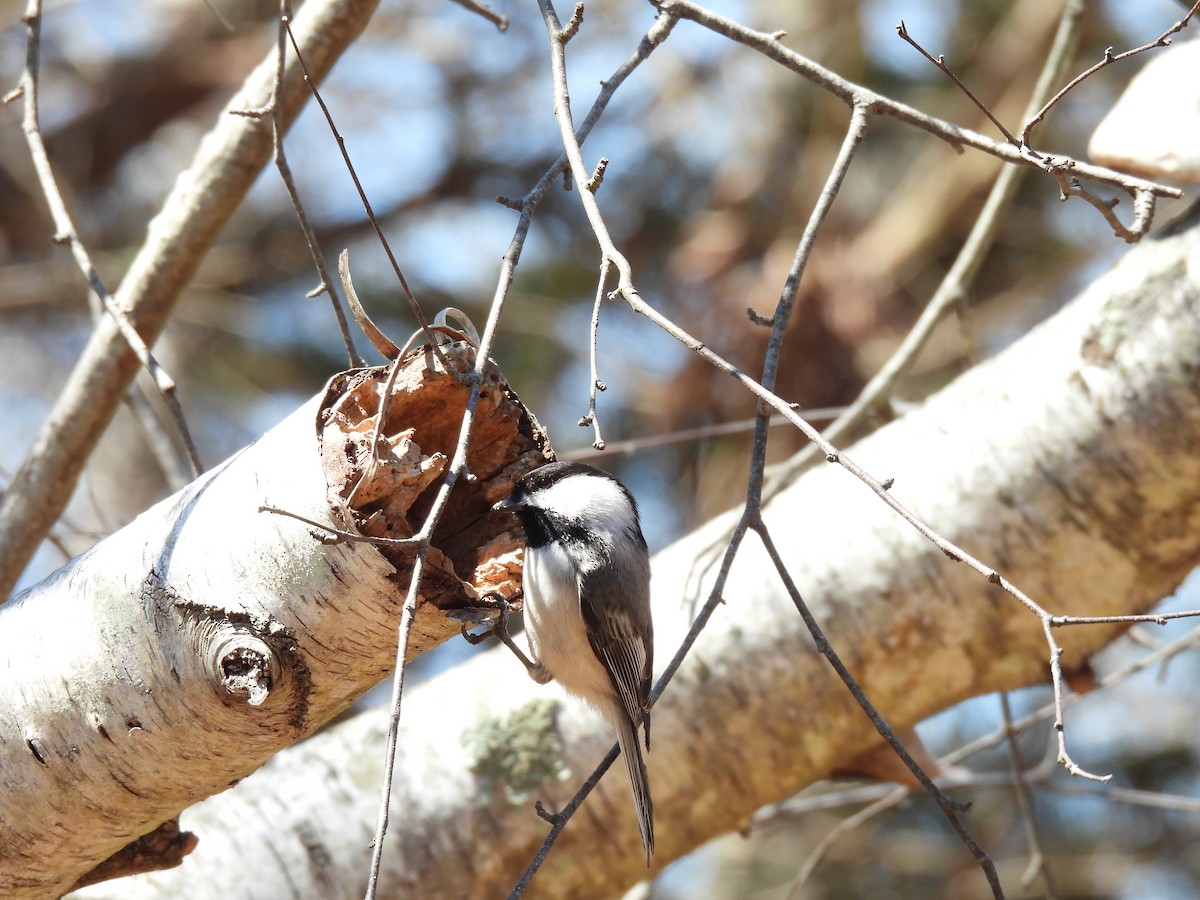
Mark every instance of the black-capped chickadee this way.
pixel 587 603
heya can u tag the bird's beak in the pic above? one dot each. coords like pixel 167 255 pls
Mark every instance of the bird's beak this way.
pixel 506 506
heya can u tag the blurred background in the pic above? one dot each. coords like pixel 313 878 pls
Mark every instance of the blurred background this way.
pixel 716 157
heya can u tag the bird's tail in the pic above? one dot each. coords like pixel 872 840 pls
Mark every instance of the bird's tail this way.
pixel 631 750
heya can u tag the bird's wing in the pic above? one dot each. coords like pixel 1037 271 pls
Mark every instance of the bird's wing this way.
pixel 620 632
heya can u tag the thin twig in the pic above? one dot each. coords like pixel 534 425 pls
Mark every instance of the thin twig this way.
pixel 162 438
pixel 1144 204
pixel 417 312
pixel 655 35
pixel 482 9
pixel 596 384
pixel 1037 859
pixel 559 820
pixel 940 62
pixel 949 808
pixel 1060 727
pixel 407 617
pixel 1149 618
pixel 339 536
pixel 692 435
pixel 526 206
pixel 840 830
pixel 65 232
pixel 1132 796
pixel 1039 716
pixel 454 471
pixel 285 173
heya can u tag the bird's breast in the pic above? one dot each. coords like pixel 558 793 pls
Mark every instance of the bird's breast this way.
pixel 557 635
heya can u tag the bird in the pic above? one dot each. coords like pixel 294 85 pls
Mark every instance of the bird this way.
pixel 586 587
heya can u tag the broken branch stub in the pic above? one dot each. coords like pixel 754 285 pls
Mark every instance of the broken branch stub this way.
pixel 387 491
pixel 180 653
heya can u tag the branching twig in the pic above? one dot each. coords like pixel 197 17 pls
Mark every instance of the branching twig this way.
pixel 1063 168
pixel 1162 40
pixel 955 777
pixel 881 489
pixel 656 34
pixel 627 290
pixel 768 44
pixel 861 101
pixel 1052 709
pixel 877 395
